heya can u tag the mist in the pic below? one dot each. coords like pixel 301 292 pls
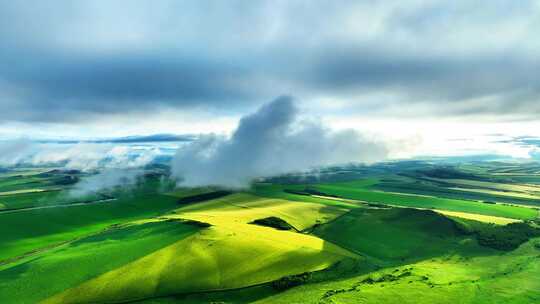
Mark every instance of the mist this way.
pixel 14 151
pixel 274 140
pixel 107 179
pixel 111 165
pixel 80 156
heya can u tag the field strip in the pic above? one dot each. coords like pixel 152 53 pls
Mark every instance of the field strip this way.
pixel 536 207
pixel 471 216
pixel 479 217
pixel 527 188
pixel 4 211
pixel 504 193
pixel 355 202
pixel 53 246
pixel 339 199
pixel 7 193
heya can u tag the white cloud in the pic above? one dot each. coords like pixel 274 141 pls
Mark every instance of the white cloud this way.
pixel 273 140
pixel 106 179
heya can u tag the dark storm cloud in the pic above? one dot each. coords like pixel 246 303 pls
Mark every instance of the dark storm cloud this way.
pixel 65 60
pixel 155 138
pixel 446 76
pixel 68 84
pixel 125 77
pixel 510 85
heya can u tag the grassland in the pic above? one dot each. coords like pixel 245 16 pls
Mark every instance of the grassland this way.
pixel 408 232
pixel 456 278
pixel 359 192
pixel 419 201
pixel 441 266
pixel 216 254
pixel 245 208
pixel 47 227
pixel 27 199
pixel 393 234
pixel 38 277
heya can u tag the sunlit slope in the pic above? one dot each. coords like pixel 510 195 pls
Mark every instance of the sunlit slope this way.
pixel 243 208
pixel 479 217
pixel 26 231
pixel 460 277
pixel 424 260
pixel 35 278
pixel 230 254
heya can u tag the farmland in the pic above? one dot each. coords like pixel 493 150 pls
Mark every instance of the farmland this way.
pixel 376 235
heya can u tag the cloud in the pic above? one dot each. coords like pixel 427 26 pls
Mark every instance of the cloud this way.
pixel 110 165
pixel 81 156
pixel 273 140
pixel 535 154
pixel 531 144
pixel 483 84
pixel 154 138
pixel 110 84
pixel 15 151
pixel 522 141
pixel 147 139
pixel 107 179
pixel 65 61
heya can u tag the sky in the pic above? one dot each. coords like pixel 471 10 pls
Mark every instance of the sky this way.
pixel 424 77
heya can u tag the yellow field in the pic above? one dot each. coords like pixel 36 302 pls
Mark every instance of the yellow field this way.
pixel 496 186
pixel 244 208
pixel 500 193
pixel 478 217
pixel 230 254
pixel 21 191
pixel 339 199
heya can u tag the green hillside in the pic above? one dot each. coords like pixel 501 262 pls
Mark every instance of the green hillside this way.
pixel 333 242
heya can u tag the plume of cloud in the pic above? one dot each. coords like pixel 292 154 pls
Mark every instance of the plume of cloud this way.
pixel 81 156
pixel 113 165
pixel 106 179
pixel 273 140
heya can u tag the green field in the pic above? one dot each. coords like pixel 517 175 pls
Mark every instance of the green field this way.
pixel 393 233
pixel 485 278
pixel 47 227
pixel 36 278
pixel 359 190
pixel 417 201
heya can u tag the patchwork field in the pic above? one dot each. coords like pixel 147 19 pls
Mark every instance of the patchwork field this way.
pixel 35 278
pixel 355 241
